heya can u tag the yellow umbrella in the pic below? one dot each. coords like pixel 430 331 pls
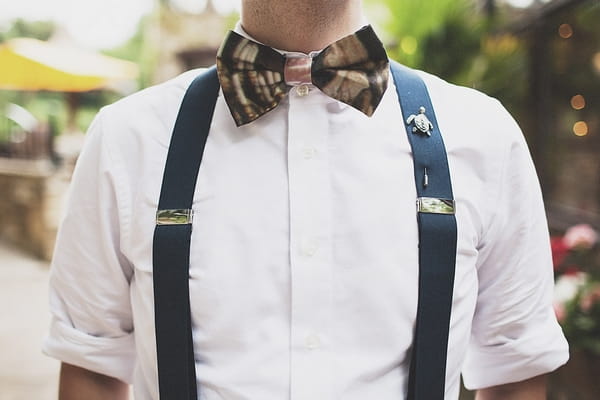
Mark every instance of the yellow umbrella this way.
pixel 30 64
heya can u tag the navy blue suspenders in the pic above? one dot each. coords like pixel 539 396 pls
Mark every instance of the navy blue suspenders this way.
pixel 437 239
pixel 171 248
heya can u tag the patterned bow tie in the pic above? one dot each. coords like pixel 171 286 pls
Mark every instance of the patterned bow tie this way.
pixel 254 77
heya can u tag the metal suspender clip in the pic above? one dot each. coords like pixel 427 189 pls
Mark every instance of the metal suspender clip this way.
pixel 431 205
pixel 174 217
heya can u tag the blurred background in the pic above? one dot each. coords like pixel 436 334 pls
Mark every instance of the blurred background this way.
pixel 61 61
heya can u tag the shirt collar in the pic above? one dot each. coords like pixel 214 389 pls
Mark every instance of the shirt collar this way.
pixel 239 29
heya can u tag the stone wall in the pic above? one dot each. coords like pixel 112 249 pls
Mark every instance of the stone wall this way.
pixel 31 198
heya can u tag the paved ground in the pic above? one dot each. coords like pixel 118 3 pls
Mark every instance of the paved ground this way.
pixel 25 373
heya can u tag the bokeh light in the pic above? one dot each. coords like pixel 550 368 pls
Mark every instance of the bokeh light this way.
pixel 409 45
pixel 565 31
pixel 189 6
pixel 596 62
pixel 580 128
pixel 578 102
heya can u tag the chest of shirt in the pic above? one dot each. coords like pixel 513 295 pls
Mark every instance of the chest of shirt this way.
pixel 314 184
pixel 304 233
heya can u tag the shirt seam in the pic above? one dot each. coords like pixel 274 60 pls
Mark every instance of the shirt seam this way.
pixel 500 191
pixel 120 192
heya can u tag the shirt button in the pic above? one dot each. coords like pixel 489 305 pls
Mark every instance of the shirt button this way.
pixel 312 342
pixel 310 249
pixel 309 153
pixel 302 90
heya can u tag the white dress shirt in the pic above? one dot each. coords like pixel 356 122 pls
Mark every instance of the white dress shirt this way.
pixel 304 261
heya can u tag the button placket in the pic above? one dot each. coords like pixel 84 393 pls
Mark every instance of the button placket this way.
pixel 310 253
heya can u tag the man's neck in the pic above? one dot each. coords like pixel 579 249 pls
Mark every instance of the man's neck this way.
pixel 300 25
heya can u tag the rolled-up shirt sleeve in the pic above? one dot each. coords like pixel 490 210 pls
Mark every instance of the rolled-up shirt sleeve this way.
pixel 515 334
pixel 89 282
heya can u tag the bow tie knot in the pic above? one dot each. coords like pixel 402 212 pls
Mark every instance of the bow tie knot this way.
pixel 297 70
pixel 254 77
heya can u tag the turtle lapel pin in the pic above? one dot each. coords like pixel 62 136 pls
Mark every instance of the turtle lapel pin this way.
pixel 421 122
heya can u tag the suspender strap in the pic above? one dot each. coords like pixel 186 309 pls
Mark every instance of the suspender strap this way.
pixel 171 248
pixel 437 238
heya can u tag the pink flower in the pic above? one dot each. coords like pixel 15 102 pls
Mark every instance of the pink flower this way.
pixel 560 312
pixel 580 236
pixel 571 270
pixel 559 251
pixel 590 298
pixel 586 303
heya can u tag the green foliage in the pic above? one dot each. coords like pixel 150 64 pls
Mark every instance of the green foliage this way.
pixel 419 29
pixel 456 41
pixel 41 30
pixel 448 50
pixel 45 106
pixel 581 324
pixel 576 257
pixel 50 106
pixel 231 19
pixel 139 50
pixel 500 70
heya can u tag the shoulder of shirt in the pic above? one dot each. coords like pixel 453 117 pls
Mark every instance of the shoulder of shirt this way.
pixel 478 112
pixel 458 95
pixel 158 100
pixel 149 114
pixel 154 93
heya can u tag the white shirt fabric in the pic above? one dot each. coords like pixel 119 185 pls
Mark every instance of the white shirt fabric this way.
pixel 304 261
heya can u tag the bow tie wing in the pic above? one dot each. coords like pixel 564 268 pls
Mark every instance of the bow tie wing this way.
pixel 251 77
pixel 353 70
